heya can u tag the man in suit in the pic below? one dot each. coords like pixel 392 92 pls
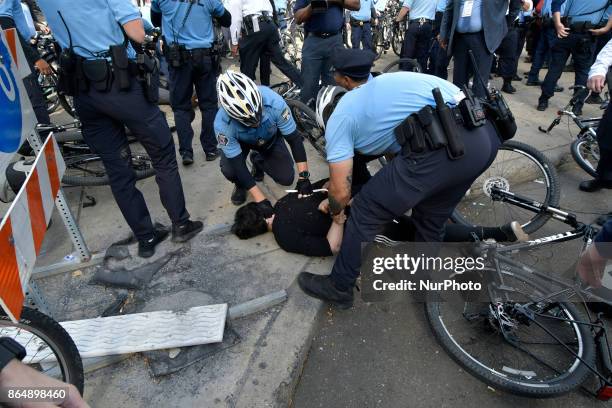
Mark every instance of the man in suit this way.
pixel 475 25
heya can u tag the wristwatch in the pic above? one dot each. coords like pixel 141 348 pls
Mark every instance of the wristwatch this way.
pixel 304 174
pixel 10 349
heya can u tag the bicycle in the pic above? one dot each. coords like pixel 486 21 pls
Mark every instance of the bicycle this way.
pixel 584 149
pixel 527 338
pixel 50 348
pixel 411 64
pixel 49 50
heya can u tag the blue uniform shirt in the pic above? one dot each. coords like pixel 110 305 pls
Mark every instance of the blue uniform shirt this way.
pixel 380 5
pixel 329 22
pixel 13 10
pixel 421 8
pixel 93 24
pixel 197 32
pixel 280 5
pixel 473 23
pixel 276 116
pixel 365 12
pixel 593 11
pixel 441 6
pixel 365 118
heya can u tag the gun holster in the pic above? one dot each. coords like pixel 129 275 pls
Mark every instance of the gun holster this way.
pixel 148 66
pixel 98 73
pixel 69 67
pixel 174 54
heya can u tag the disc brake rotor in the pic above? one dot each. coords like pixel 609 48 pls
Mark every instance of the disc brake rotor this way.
pixel 500 182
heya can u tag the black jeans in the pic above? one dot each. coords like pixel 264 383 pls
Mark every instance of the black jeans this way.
pixel 604 139
pixel 464 42
pixel 417 41
pixel 266 41
pixel 428 183
pixel 201 73
pixel 580 47
pixel 316 64
pixel 508 59
pixel 275 161
pixel 104 117
pixel 362 35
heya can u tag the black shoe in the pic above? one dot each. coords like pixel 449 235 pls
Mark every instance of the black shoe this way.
pixel 594 99
pixel 577 111
pixel 322 287
pixel 590 186
pixel 516 78
pixel 559 88
pixel 187 158
pixel 542 105
pixel 186 231
pixel 534 83
pixel 508 88
pixel 212 156
pixel 256 171
pixel 146 248
pixel 514 231
pixel 238 195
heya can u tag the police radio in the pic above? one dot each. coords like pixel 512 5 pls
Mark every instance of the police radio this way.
pixel 496 108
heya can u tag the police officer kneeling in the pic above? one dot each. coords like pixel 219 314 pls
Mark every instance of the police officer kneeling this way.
pixel 111 90
pixel 443 146
pixel 257 118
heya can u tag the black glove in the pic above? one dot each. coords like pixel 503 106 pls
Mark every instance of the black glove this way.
pixel 304 187
pixel 266 209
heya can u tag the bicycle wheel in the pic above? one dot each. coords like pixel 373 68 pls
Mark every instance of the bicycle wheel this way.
pixel 48 85
pixel 67 102
pixel 377 41
pixel 50 348
pixel 585 152
pixel 410 65
pixel 501 346
pixel 397 40
pixel 87 169
pixel 306 121
pixel 518 168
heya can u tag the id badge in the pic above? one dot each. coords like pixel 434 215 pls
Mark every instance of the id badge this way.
pixel 255 20
pixel 467 8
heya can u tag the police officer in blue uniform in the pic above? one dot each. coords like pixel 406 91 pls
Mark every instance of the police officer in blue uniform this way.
pixel 574 37
pixel 109 94
pixel 255 118
pixel 188 32
pixel 419 32
pixel 361 26
pixel 369 119
pixel 12 16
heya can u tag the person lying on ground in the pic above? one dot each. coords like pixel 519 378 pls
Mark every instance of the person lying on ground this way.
pixel 300 226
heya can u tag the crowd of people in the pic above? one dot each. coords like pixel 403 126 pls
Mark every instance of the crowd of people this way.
pixel 436 140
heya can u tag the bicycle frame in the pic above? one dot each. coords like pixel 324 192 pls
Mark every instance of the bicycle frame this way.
pixel 501 257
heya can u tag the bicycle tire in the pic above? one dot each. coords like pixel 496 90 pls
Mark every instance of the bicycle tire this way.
pixel 317 141
pixel 415 64
pixel 397 41
pixel 499 380
pixel 63 100
pixel 69 136
pixel 552 186
pixel 87 181
pixel 57 339
pixel 580 160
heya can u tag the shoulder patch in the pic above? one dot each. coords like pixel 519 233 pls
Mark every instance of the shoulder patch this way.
pixel 286 114
pixel 222 139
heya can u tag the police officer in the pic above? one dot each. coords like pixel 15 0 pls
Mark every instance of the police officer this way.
pixel 253 19
pixel 439 60
pixel 360 25
pixel 188 38
pixel 97 69
pixel 322 30
pixel 423 179
pixel 419 32
pixel 258 119
pixel 574 37
pixel 12 16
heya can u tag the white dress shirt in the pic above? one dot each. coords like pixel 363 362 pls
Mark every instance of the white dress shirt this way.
pixel 603 61
pixel 241 8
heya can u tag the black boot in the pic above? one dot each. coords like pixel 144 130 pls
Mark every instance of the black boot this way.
pixel 322 287
pixel 542 104
pixel 238 195
pixel 187 158
pixel 146 248
pixel 186 231
pixel 590 186
pixel 212 155
pixel 507 87
pixel 594 99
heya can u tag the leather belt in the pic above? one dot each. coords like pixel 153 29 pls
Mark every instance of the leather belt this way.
pixel 322 34
pixel 358 23
pixel 421 21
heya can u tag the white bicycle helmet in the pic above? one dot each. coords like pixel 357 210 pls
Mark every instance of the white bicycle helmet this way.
pixel 326 102
pixel 240 98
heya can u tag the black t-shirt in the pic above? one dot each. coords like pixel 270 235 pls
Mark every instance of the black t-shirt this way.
pixel 299 226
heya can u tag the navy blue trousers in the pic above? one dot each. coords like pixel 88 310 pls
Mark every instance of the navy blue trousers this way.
pixel 104 117
pixel 362 35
